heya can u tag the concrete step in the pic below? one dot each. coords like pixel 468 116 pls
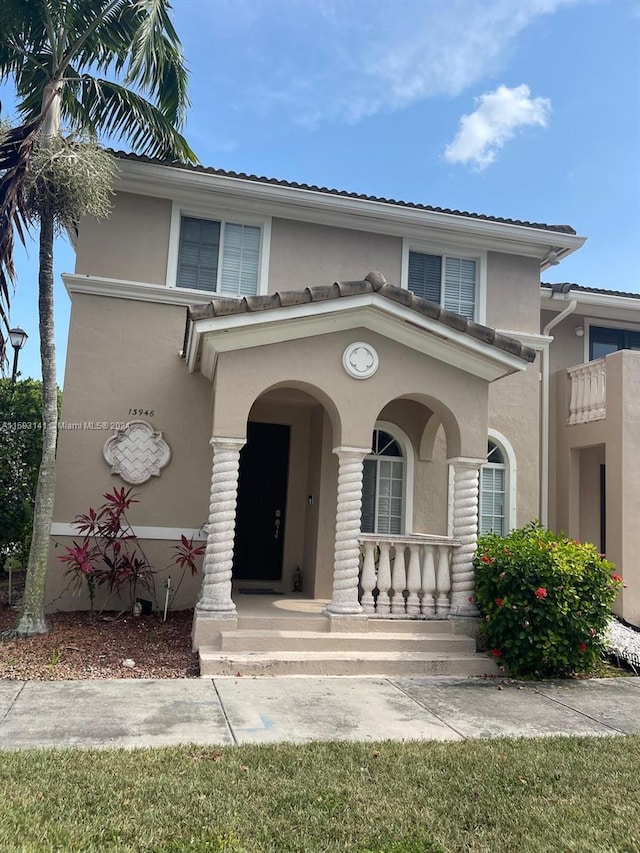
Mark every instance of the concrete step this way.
pixel 411 626
pixel 322 641
pixel 293 623
pixel 318 663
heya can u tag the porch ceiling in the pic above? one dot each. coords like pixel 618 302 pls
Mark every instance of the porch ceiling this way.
pixel 225 325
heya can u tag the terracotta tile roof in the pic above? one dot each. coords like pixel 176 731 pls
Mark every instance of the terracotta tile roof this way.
pixel 565 287
pixel 375 282
pixel 562 229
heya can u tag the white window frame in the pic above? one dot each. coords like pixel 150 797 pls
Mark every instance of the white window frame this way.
pixel 216 215
pixel 444 251
pixel 408 458
pixel 510 474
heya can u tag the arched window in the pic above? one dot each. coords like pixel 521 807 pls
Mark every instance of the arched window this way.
pixel 383 486
pixel 496 511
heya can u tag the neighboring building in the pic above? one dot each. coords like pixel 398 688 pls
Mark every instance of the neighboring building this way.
pixel 309 399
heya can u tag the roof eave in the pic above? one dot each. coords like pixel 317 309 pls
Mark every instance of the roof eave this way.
pixel 371 311
pixel 168 180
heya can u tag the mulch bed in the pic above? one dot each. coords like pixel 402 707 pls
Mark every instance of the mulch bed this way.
pixel 85 645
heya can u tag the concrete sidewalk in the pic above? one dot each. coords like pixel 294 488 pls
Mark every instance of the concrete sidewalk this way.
pixel 133 712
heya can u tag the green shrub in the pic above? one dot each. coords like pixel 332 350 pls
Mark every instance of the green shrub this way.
pixel 545 600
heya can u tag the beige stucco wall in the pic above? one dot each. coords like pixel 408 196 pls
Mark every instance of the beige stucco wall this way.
pixel 514 412
pixel 619 434
pixel 306 254
pixel 131 245
pixel 513 292
pixel 128 360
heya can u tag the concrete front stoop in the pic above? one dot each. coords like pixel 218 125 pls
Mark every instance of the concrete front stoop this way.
pixel 317 646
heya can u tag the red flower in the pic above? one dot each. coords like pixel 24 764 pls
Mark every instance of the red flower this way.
pixel 541 592
pixel 470 599
pixel 499 602
pixel 582 647
pixel 487 560
pixel 496 653
pixel 616 578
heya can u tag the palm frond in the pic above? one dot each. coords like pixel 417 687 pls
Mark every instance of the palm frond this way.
pixel 15 151
pixel 123 113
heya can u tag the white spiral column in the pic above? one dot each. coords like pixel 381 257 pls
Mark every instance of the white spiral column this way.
pixel 465 529
pixel 215 598
pixel 346 561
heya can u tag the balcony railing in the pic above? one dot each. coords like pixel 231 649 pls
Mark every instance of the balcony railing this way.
pixel 588 400
pixel 406 577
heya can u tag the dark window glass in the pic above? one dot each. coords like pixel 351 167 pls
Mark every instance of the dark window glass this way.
pixel 603 341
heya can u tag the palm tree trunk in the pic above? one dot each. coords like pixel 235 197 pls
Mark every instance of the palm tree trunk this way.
pixel 32 618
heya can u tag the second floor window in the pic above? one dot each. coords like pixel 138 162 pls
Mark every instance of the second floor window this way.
pixel 603 340
pixel 220 257
pixel 451 282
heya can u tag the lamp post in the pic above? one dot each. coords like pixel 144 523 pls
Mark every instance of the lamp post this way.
pixel 18 338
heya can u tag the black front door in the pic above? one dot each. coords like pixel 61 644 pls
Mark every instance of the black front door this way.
pixel 262 497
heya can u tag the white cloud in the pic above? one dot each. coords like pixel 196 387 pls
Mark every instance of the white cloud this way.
pixel 496 120
pixel 345 60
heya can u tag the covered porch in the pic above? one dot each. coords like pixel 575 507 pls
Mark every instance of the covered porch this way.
pixel 348 428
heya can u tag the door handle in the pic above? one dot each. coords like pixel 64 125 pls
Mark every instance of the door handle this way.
pixel 276 534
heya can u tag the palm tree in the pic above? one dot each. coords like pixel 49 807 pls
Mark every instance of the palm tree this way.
pixel 56 52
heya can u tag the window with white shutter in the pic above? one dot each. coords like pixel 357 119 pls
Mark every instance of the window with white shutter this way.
pixel 449 281
pixel 493 493
pixel 221 257
pixel 383 486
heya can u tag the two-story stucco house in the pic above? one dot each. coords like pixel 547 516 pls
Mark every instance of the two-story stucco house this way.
pixel 336 392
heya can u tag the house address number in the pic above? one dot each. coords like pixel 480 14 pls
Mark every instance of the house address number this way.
pixel 148 412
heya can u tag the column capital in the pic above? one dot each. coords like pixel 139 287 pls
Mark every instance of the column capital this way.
pixel 466 461
pixel 219 442
pixel 345 450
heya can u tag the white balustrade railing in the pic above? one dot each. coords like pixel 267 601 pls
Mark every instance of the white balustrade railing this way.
pixel 588 400
pixel 406 576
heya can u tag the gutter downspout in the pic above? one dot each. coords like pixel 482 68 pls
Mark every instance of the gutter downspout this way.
pixel 544 450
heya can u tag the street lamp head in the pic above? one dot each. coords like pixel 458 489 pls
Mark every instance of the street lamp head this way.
pixel 18 337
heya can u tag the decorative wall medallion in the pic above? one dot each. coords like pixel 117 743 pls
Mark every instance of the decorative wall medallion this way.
pixel 360 360
pixel 137 452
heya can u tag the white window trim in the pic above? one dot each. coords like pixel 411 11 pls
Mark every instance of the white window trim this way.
pixel 480 257
pixel 511 473
pixel 202 212
pixel 409 465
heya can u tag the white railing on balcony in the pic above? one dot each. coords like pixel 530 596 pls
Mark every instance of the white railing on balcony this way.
pixel 588 400
pixel 405 577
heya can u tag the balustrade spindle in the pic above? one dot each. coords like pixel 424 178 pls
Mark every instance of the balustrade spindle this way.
pixel 368 578
pixel 413 581
pixel 384 579
pixel 398 581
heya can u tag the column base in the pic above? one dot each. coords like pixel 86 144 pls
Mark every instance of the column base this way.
pixel 207 626
pixel 346 622
pixel 466 609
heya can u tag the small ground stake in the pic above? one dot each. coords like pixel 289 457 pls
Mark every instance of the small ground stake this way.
pixel 166 598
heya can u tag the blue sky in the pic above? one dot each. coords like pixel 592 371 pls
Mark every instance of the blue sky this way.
pixel 527 109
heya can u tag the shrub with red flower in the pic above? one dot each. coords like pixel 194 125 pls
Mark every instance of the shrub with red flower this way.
pixel 546 601
pixel 496 653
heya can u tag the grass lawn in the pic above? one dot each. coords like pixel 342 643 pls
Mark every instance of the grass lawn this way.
pixel 556 794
